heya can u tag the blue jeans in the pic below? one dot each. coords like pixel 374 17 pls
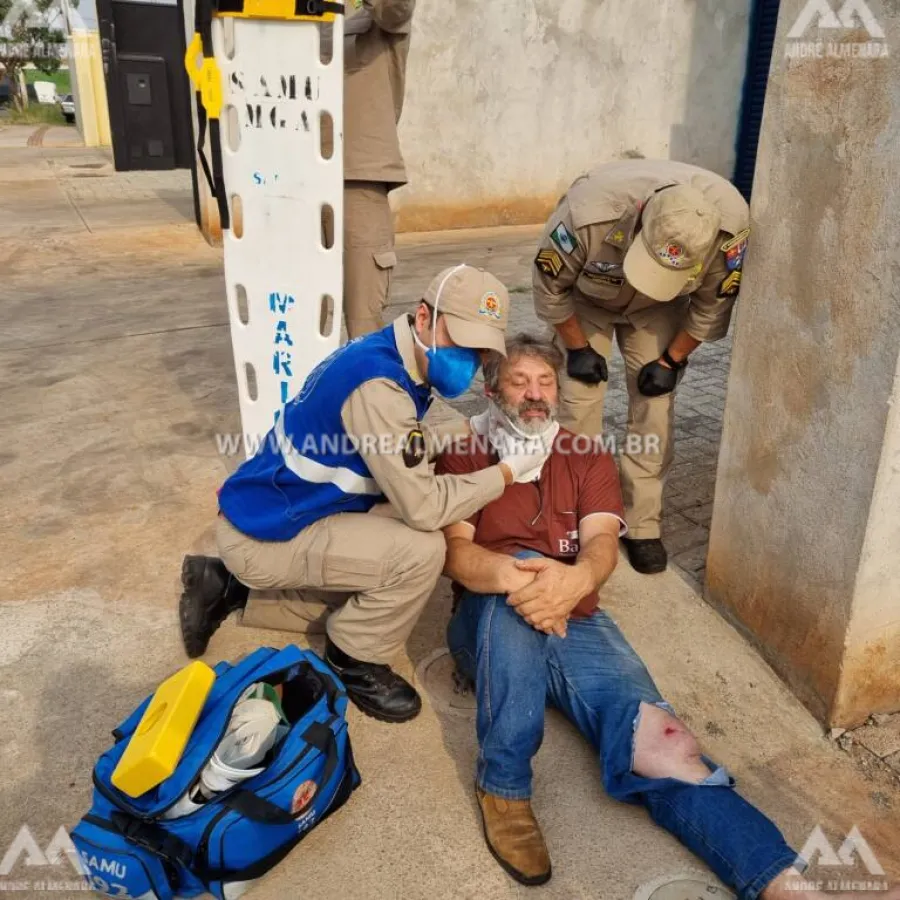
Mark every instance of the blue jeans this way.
pixel 594 677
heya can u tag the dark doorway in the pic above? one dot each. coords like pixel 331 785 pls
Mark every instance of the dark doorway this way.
pixel 146 85
pixel 763 24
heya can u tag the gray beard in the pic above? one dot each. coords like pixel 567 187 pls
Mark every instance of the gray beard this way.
pixel 531 427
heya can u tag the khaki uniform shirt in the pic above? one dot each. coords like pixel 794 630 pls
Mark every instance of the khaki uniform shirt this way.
pixel 578 268
pixel 376 45
pixel 425 501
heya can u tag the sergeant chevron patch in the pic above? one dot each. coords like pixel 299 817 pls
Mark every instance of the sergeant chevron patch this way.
pixel 549 262
pixel 731 285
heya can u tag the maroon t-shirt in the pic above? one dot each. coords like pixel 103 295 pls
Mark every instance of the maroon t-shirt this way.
pixel 543 516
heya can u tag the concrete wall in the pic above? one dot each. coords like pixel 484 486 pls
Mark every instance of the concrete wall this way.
pixel 508 101
pixel 805 547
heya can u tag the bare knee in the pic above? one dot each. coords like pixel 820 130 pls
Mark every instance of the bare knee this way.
pixel 665 748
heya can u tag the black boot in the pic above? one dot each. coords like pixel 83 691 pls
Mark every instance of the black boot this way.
pixel 646 556
pixel 211 592
pixel 376 689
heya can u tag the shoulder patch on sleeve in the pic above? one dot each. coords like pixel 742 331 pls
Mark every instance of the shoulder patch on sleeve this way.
pixel 413 448
pixel 735 249
pixel 737 239
pixel 549 262
pixel 563 239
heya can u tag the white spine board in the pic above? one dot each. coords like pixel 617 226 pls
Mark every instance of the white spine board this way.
pixel 279 276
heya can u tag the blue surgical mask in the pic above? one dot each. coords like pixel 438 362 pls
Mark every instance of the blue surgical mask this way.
pixel 450 369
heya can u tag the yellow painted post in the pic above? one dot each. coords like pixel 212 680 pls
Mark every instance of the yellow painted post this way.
pixel 89 88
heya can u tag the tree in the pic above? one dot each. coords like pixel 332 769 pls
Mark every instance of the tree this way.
pixel 31 31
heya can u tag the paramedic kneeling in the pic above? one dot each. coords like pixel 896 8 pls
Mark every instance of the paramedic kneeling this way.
pixel 298 514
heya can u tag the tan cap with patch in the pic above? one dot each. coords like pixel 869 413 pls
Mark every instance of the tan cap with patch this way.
pixel 678 228
pixel 476 305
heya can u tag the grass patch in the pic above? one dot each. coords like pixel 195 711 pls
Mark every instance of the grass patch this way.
pixel 60 78
pixel 36 114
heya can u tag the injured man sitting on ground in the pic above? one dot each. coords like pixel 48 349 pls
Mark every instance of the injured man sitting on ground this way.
pixel 529 629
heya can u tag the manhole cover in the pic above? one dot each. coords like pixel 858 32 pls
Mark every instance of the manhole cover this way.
pixel 437 673
pixel 683 887
pixel 98 165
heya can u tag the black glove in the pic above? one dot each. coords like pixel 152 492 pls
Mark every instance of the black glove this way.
pixel 587 365
pixel 655 379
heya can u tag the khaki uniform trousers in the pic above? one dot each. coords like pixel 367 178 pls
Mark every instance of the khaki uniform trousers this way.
pixel 363 578
pixel 369 256
pixel 649 443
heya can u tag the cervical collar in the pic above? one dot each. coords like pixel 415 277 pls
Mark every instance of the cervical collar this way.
pixel 502 432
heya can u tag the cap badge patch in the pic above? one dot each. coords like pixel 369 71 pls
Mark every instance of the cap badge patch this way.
pixel 673 255
pixel 549 262
pixel 490 306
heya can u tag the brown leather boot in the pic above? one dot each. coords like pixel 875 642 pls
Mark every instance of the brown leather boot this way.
pixel 514 837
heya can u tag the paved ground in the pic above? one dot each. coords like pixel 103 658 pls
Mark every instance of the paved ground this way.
pixel 116 375
pixel 101 198
pixel 38 135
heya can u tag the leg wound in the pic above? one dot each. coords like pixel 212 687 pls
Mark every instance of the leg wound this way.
pixel 663 747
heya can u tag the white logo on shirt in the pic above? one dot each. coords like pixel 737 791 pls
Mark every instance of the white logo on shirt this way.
pixel 569 544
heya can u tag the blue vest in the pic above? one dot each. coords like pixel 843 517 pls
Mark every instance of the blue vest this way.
pixel 307 467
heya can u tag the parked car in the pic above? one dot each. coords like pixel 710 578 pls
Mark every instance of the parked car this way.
pixel 67 108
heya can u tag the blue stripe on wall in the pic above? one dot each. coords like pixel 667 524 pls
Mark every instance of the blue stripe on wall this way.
pixel 763 23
